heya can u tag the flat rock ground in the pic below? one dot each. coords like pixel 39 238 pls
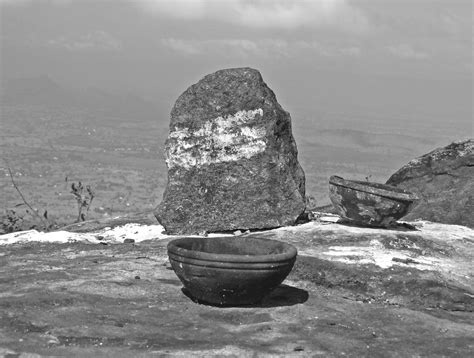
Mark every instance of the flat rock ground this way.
pixel 353 292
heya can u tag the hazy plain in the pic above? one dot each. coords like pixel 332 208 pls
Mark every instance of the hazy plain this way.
pixel 53 135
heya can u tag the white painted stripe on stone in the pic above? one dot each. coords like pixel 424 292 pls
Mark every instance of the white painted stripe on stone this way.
pixel 222 139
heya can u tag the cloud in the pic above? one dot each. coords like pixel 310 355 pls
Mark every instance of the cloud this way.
pixel 25 2
pixel 325 50
pixel 93 41
pixel 270 48
pixel 263 13
pixel 352 51
pixel 406 51
pixel 182 46
pixel 180 9
pixel 225 47
pixel 14 2
pixel 273 14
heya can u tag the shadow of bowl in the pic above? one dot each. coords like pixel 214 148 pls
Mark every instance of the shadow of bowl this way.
pixel 281 296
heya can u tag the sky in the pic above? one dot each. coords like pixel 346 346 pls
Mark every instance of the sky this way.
pixel 365 54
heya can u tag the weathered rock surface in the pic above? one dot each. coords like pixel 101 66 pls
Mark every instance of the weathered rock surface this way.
pixel 444 181
pixel 231 157
pixel 355 292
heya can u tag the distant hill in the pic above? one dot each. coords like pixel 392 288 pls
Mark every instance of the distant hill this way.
pixel 43 91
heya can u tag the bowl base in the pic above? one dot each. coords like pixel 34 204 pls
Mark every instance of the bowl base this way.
pixel 220 303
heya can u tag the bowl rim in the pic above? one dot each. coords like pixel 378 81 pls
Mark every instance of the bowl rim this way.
pixel 289 253
pixel 384 190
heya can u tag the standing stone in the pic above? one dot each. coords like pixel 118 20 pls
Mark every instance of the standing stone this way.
pixel 231 157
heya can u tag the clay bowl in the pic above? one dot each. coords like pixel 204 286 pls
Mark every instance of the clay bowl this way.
pixel 368 203
pixel 230 270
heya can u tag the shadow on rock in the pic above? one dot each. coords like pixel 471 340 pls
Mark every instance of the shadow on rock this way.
pixel 396 226
pixel 283 295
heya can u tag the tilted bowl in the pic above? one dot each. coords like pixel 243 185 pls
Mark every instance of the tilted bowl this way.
pixel 369 203
pixel 230 270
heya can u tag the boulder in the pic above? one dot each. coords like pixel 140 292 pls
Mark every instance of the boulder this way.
pixel 231 158
pixel 443 180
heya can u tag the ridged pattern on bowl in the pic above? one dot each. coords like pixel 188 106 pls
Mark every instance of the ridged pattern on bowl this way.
pixel 235 276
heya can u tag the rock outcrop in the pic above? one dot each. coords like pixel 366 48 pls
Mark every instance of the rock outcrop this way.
pixel 353 292
pixel 444 182
pixel 231 157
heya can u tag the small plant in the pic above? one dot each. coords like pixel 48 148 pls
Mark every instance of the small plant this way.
pixel 14 221
pixel 310 201
pixel 11 221
pixel 367 178
pixel 25 216
pixel 84 196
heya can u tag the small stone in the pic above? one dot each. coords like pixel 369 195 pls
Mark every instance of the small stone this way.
pixel 128 241
pixel 52 340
